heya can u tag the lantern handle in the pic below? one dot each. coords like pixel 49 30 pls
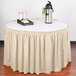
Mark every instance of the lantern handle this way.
pixel 49 2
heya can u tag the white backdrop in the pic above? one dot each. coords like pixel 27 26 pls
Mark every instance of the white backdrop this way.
pixel 64 10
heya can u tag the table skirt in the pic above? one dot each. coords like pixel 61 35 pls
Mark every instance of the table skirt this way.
pixel 37 52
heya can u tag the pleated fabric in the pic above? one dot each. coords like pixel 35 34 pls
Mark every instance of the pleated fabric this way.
pixel 37 52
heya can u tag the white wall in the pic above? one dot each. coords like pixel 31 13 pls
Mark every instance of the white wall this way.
pixel 64 10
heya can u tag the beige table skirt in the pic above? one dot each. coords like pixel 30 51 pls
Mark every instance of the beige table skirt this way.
pixel 37 52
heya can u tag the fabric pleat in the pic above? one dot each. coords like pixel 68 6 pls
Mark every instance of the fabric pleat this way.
pixel 37 52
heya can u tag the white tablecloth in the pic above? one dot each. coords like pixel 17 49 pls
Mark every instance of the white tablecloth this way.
pixel 39 48
pixel 39 26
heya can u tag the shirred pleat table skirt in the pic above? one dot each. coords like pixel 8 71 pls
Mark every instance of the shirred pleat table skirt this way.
pixel 37 52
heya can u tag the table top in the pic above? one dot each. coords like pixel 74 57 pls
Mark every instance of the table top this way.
pixel 39 26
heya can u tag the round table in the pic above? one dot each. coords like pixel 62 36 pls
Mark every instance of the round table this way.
pixel 38 48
